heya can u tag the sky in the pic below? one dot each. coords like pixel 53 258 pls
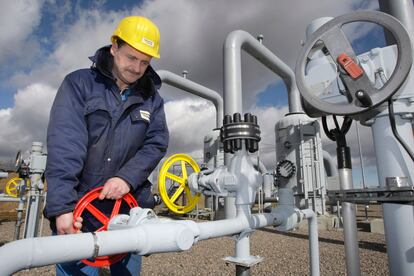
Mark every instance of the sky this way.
pixel 52 38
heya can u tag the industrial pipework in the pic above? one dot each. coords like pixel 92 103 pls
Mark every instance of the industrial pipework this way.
pixel 140 231
pixel 234 43
pixel 196 89
pixel 379 94
pixel 193 88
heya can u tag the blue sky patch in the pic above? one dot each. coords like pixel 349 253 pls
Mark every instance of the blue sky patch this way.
pixel 275 94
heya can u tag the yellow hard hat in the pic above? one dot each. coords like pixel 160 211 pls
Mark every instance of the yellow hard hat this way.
pixel 140 33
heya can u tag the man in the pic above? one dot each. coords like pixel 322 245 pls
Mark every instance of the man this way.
pixel 107 128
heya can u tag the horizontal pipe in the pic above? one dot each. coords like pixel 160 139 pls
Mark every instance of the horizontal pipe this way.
pixel 9 199
pixel 214 229
pixel 4 174
pixel 143 239
pixel 196 89
pixel 266 199
pixel 35 252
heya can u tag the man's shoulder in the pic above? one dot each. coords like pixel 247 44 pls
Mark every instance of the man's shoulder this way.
pixel 157 98
pixel 81 74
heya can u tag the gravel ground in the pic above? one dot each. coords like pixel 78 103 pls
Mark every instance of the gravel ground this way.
pixel 283 253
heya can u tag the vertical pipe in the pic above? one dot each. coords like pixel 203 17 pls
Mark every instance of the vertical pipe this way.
pixel 399 240
pixel 236 41
pixel 313 241
pixel 402 10
pixel 243 252
pixel 35 195
pixel 232 103
pixel 360 156
pixel 332 169
pixel 350 227
pixel 398 218
pixel 392 160
pixel 20 209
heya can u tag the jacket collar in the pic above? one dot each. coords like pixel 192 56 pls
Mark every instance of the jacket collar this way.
pixel 146 86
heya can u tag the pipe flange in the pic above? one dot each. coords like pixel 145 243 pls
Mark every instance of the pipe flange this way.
pixel 285 169
pixel 236 131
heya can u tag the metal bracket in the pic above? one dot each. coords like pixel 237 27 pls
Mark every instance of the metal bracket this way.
pixel 373 195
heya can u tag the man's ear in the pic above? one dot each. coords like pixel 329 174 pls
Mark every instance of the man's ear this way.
pixel 114 48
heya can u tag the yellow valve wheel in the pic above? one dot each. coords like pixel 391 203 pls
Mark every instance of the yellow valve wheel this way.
pixel 12 186
pixel 172 183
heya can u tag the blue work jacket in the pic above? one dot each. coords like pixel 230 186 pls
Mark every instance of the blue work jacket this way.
pixel 94 134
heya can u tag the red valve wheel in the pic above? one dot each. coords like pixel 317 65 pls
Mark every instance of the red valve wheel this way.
pixel 85 203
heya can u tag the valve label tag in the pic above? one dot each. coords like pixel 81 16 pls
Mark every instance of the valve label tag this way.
pixel 348 64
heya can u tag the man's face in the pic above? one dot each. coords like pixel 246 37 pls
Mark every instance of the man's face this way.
pixel 129 64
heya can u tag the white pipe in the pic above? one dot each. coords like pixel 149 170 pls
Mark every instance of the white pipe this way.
pixel 238 40
pixel 196 89
pixel 35 252
pixel 9 199
pixel 313 241
pixel 144 239
pixel 333 168
pixel 214 229
pixel 235 41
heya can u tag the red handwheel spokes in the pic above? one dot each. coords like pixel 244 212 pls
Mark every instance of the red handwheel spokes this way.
pixel 85 203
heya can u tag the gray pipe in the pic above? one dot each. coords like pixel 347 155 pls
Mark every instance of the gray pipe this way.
pixel 199 90
pixel 238 40
pixel 313 241
pixel 398 218
pixel 144 239
pixel 196 89
pixel 9 199
pixel 402 10
pixel 267 184
pixel 332 166
pixel 350 226
pixel 267 178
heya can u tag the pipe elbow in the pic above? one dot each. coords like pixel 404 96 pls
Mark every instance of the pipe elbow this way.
pixel 163 74
pixel 235 39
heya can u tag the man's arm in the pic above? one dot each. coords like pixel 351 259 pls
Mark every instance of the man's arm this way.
pixel 67 140
pixel 138 168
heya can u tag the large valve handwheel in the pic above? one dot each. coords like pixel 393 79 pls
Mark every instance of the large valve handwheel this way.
pixel 172 183
pixel 362 96
pixel 86 204
pixel 13 186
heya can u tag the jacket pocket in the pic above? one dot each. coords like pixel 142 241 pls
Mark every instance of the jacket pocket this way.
pixel 98 119
pixel 94 105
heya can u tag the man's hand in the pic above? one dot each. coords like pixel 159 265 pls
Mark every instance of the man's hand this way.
pixel 66 225
pixel 114 188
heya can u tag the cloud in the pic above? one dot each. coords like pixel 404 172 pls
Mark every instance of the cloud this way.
pixel 192 37
pixel 27 121
pixel 189 120
pixel 18 20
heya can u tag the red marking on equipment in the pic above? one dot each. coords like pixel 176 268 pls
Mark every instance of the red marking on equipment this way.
pixel 353 69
